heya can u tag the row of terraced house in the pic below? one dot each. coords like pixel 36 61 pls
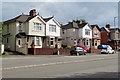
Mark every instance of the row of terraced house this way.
pixel 33 34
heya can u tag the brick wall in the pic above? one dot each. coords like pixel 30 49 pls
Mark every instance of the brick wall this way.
pixel 95 50
pixel 104 38
pixel 48 51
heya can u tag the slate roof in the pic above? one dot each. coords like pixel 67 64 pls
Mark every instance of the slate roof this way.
pixel 92 26
pixel 47 19
pixel 114 29
pixel 105 29
pixel 20 18
pixel 73 25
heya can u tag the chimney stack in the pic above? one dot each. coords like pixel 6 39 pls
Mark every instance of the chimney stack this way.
pixel 79 22
pixel 32 12
pixel 108 26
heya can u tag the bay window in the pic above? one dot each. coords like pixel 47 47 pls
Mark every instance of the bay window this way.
pixel 37 41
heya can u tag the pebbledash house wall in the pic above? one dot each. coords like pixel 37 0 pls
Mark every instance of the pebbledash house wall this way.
pixel 11 37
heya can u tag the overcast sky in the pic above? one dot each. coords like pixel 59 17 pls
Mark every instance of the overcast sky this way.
pixel 100 13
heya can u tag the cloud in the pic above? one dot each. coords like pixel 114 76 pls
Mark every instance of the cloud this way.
pixel 92 12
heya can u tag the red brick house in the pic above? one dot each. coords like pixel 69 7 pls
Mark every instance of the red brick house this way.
pixel 96 39
pixel 105 34
pixel 96 36
pixel 110 36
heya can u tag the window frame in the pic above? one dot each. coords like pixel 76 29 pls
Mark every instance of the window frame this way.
pixel 52 28
pixel 37 41
pixel 96 32
pixel 87 31
pixel 37 26
pixel 52 41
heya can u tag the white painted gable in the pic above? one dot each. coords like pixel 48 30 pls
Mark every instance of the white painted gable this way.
pixel 53 22
pixel 83 30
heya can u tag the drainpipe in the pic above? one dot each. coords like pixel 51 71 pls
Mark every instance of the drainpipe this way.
pixel 15 43
pixel 45 36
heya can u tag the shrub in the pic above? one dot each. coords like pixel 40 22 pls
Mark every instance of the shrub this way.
pixel 68 47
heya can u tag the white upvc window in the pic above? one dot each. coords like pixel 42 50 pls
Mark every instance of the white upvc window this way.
pixel 7 28
pixel 87 32
pixel 96 33
pixel 20 27
pixel 51 41
pixel 87 42
pixel 37 41
pixel 19 42
pixel 37 27
pixel 52 28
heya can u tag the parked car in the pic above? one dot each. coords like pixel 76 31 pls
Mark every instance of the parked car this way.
pixel 83 47
pixel 106 49
pixel 76 50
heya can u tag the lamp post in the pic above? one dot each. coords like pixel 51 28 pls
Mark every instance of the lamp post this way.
pixel 114 22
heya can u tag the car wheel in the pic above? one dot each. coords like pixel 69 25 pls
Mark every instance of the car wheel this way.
pixel 84 53
pixel 113 52
pixel 71 52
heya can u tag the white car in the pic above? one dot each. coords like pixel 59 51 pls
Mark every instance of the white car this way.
pixel 108 50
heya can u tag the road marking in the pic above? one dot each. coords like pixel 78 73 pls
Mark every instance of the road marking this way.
pixel 57 63
pixel 76 56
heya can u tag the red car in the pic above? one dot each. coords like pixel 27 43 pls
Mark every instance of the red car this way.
pixel 83 47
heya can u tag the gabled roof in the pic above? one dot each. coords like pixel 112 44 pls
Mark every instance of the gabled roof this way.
pixel 82 25
pixel 93 26
pixel 114 29
pixel 105 29
pixel 47 19
pixel 21 18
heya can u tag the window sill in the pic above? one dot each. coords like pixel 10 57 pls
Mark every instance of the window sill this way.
pixel 36 31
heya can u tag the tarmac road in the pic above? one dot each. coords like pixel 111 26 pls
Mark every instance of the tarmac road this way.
pixel 85 66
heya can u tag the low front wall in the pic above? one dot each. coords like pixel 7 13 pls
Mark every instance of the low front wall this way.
pixel 95 50
pixel 48 51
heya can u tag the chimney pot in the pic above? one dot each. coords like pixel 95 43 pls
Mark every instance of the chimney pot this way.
pixel 32 12
pixel 108 26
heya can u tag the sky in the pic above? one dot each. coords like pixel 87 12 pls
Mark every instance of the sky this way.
pixel 100 13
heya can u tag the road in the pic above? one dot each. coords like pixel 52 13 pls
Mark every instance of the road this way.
pixel 85 66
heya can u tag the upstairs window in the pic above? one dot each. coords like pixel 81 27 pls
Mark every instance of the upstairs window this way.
pixel 20 27
pixel 7 40
pixel 96 33
pixel 52 28
pixel 37 27
pixel 87 32
pixel 7 27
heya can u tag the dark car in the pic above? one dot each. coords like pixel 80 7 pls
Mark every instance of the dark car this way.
pixel 76 50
